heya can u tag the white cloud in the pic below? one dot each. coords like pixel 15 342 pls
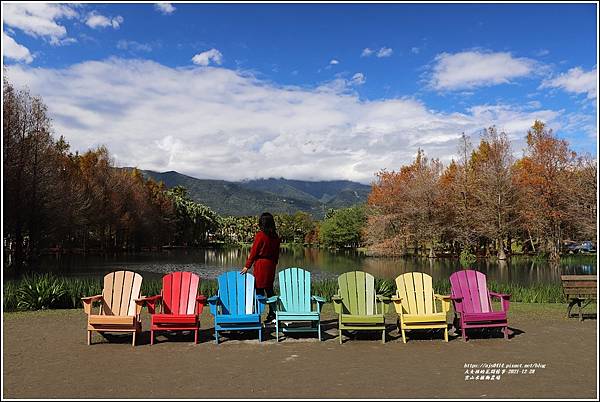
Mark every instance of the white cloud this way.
pixel 358 79
pixel 366 52
pixel 204 58
pixel 40 20
pixel 95 20
pixel 220 123
pixel 164 8
pixel 414 50
pixel 384 52
pixel 542 52
pixel 576 80
pixel 334 61
pixel 133 46
pixel 472 69
pixel 15 51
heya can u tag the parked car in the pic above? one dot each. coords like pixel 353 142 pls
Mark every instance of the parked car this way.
pixel 583 246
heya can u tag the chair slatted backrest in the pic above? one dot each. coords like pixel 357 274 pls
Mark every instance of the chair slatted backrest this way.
pixel 179 293
pixel 416 291
pixel 357 289
pixel 236 293
pixel 472 287
pixel 294 289
pixel 121 288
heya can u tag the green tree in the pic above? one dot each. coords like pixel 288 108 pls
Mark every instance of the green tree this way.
pixel 344 227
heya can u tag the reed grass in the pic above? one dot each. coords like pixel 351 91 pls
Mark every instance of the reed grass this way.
pixel 37 292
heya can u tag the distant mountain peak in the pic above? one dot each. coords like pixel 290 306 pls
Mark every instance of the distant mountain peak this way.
pixel 276 195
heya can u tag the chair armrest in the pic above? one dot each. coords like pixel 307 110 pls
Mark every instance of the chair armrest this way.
pixel 318 299
pixel 88 301
pixel 273 299
pixel 395 298
pixel 200 303
pixel 505 299
pixel 456 298
pixel 385 303
pixel 148 299
pixel 261 299
pixel 92 299
pixel 213 303
pixel 445 299
pixel 500 295
pixel 149 302
pixel 382 298
pixel 336 299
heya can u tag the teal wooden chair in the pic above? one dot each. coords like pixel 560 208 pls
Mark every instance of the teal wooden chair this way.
pixel 295 303
pixel 358 306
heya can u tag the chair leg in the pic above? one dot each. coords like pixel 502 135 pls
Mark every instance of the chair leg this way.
pixel 319 329
pixel 133 340
pixel 383 336
pixel 151 337
pixel 570 307
pixel 340 333
pixel 196 336
pixel 446 333
pixel 580 313
pixel 260 335
pixel 404 336
pixel 277 330
pixel 464 334
pixel 89 338
pixel 505 330
pixel 216 336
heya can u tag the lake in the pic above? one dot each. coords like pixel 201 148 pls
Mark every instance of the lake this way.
pixel 209 263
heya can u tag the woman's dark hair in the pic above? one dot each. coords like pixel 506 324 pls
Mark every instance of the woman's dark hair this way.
pixel 266 223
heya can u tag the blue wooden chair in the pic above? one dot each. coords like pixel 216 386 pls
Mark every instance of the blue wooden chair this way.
pixel 237 307
pixel 294 304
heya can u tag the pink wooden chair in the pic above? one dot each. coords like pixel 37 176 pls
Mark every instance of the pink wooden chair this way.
pixel 472 302
pixel 181 305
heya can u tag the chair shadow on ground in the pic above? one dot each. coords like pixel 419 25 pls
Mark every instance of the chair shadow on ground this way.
pixel 329 331
pixel 483 333
pixel 143 338
pixel 584 316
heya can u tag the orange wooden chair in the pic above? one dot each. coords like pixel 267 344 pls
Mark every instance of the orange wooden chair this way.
pixel 118 310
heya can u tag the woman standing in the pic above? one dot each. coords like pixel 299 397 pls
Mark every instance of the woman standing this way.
pixel 264 254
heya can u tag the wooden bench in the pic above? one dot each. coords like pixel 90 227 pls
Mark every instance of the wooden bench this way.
pixel 578 289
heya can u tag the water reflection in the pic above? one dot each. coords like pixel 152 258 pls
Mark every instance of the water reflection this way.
pixel 209 263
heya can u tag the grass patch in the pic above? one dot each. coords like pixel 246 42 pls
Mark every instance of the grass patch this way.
pixel 39 292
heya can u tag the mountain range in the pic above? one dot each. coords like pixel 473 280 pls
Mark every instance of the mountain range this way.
pixel 278 196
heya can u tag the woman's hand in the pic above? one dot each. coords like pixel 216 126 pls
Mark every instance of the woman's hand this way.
pixel 244 270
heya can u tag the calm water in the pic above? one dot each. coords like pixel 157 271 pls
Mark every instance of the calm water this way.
pixel 209 263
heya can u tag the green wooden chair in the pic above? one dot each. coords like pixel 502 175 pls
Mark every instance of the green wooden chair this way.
pixel 358 306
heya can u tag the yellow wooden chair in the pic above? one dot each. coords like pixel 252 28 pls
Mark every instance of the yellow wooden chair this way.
pixel 416 304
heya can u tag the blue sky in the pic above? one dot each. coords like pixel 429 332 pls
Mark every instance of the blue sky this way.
pixel 307 91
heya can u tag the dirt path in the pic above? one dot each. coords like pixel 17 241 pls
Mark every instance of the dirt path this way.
pixel 45 356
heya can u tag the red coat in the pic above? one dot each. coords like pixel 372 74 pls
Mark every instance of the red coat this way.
pixel 264 254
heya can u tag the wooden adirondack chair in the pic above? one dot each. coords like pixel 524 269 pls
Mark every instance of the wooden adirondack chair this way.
pixel 357 305
pixel 294 304
pixel 237 307
pixel 181 305
pixel 472 302
pixel 118 310
pixel 416 304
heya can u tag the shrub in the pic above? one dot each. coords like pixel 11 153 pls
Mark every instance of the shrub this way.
pixel 467 258
pixel 39 292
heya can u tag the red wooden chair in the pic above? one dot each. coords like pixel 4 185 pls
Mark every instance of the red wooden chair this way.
pixel 181 305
